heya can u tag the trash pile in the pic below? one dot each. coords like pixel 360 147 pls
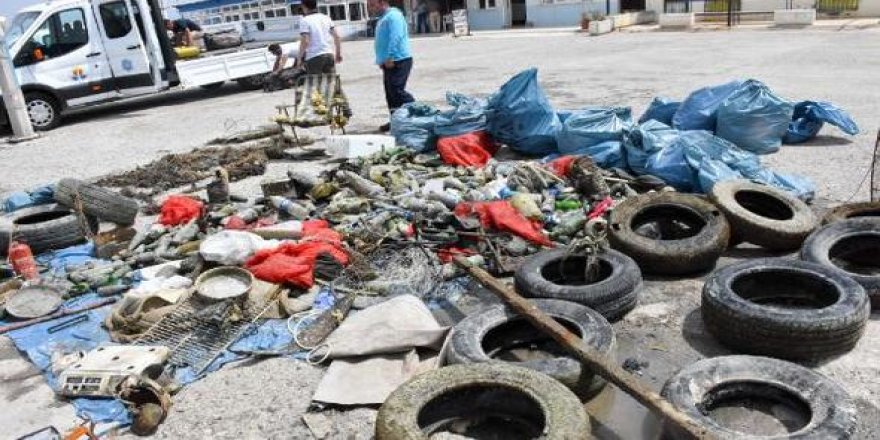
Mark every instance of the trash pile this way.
pixel 344 267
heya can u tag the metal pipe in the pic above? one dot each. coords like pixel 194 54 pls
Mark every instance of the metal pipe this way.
pixel 16 108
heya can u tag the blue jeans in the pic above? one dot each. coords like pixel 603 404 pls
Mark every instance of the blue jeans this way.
pixel 422 23
pixel 395 80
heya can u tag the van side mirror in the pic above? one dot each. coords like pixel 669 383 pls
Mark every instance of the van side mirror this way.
pixel 38 55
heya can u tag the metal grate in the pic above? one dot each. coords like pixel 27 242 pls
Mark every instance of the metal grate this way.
pixel 197 331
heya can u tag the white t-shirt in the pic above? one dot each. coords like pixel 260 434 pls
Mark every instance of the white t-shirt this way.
pixel 318 26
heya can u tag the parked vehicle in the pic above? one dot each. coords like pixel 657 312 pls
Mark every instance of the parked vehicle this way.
pixel 75 53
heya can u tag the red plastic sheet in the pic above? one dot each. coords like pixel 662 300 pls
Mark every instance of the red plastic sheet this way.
pixel 178 210
pixel 562 165
pixel 294 262
pixel 469 150
pixel 501 215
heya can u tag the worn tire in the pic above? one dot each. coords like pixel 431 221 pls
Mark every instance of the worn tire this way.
pixel 763 215
pixel 498 327
pixel 515 395
pixel 99 202
pixel 613 296
pixel 850 210
pixel 699 387
pixel 254 82
pixel 43 228
pixel 676 251
pixel 858 235
pixel 733 309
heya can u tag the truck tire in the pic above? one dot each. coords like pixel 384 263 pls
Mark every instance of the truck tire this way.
pixel 487 335
pixel 500 401
pixel 254 82
pixel 669 233
pixel 819 406
pixel 787 309
pixel 96 201
pixel 852 247
pixel 763 215
pixel 44 228
pixel 850 210
pixel 554 274
pixel 44 110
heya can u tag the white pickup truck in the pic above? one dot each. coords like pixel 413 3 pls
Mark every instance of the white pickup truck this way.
pixel 75 53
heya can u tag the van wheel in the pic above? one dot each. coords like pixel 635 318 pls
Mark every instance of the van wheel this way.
pixel 43 110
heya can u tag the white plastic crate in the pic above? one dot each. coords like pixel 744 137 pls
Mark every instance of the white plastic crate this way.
pixel 358 145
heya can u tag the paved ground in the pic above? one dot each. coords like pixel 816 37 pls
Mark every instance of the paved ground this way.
pixel 251 401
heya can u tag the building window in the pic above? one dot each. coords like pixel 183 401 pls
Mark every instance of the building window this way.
pixel 117 22
pixel 487 4
pixel 255 5
pixel 337 12
pixel 270 14
pixel 355 11
pixel 281 12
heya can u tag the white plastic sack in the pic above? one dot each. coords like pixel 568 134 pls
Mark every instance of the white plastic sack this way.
pixel 233 248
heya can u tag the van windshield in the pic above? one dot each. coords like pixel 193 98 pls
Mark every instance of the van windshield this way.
pixel 18 26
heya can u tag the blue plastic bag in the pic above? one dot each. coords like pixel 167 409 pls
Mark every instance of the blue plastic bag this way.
pixel 710 172
pixel 753 118
pixel 698 111
pixel 670 164
pixel 661 110
pixel 413 126
pixel 810 116
pixel 643 141
pixel 16 201
pixel 608 154
pixel 520 116
pixel 593 126
pixel 467 116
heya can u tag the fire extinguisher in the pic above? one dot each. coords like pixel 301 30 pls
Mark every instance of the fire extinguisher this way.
pixel 22 260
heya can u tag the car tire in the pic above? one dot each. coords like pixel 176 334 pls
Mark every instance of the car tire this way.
pixel 850 210
pixel 44 228
pixel 827 410
pixel 763 215
pixel 787 309
pixel 555 274
pixel 44 110
pixel 689 233
pixel 859 240
pixel 480 337
pixel 96 201
pixel 521 402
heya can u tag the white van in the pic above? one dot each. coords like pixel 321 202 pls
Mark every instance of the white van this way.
pixel 74 53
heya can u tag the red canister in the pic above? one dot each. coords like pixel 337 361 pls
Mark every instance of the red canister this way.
pixel 22 260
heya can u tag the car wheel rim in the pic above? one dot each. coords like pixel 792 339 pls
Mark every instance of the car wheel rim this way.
pixel 41 113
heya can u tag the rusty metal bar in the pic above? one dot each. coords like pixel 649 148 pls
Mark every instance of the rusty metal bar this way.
pixel 587 355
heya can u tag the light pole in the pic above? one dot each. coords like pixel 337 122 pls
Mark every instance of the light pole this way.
pixel 16 108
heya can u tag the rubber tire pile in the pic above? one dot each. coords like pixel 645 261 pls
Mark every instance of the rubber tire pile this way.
pixel 804 310
pixel 80 206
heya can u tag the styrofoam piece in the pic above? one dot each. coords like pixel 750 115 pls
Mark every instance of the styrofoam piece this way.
pixel 358 145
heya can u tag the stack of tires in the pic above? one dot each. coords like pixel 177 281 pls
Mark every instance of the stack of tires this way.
pixel 76 215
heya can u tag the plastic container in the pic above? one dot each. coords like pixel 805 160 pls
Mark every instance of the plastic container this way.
pixel 22 260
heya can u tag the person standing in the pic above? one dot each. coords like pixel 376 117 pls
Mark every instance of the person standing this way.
pixel 186 32
pixel 421 12
pixel 318 39
pixel 434 18
pixel 392 54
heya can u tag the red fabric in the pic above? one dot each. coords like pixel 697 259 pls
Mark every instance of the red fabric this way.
pixel 294 262
pixel 310 226
pixel 469 150
pixel 501 215
pixel 178 210
pixel 562 165
pixel 601 208
pixel 235 223
pixel 447 254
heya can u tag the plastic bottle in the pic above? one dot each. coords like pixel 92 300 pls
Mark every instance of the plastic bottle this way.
pixel 22 260
pixel 567 205
pixel 289 207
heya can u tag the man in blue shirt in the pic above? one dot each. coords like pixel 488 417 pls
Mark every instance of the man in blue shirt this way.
pixel 392 54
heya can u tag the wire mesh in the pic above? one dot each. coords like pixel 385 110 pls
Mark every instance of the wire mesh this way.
pixel 388 271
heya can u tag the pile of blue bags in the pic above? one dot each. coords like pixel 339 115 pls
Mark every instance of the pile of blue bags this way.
pixel 715 134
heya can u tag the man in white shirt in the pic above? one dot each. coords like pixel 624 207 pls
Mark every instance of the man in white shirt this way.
pixel 316 50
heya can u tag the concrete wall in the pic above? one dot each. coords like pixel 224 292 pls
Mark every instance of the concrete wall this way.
pixel 564 14
pixel 486 19
pixel 868 8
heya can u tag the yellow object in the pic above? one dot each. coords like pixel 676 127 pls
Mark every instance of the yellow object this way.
pixel 187 52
